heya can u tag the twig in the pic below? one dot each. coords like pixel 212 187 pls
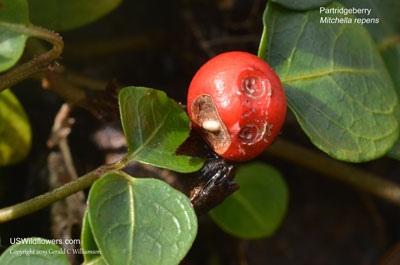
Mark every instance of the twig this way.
pixel 320 163
pixel 59 132
pixel 85 81
pixel 66 215
pixel 44 200
pixel 294 153
pixel 37 64
pixel 103 104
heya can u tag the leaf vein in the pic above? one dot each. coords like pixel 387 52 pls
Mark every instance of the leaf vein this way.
pixel 356 101
pixel 289 60
pixel 151 136
pixel 165 209
pixel 323 73
pixel 340 126
pixel 253 212
pixel 303 117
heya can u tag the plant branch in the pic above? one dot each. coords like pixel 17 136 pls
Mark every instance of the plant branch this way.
pixel 320 163
pixel 37 64
pixel 103 104
pixel 44 200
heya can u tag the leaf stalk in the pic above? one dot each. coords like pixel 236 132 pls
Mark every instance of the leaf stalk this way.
pixel 37 64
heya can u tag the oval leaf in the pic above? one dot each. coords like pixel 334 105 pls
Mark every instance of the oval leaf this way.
pixel 64 15
pixel 13 13
pixel 258 207
pixel 302 4
pixel 35 251
pixel 140 221
pixel 15 130
pixel 335 82
pixel 154 127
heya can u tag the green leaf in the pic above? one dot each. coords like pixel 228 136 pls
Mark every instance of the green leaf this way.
pixel 258 207
pixel 89 247
pixel 140 221
pixel 154 127
pixel 63 15
pixel 386 33
pixel 302 4
pixel 15 130
pixel 335 82
pixel 12 42
pixel 34 252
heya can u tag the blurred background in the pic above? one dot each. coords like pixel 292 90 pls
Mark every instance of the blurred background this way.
pixel 161 44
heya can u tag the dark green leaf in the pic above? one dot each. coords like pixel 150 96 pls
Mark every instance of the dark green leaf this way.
pixel 140 221
pixel 89 247
pixel 15 131
pixel 13 13
pixel 154 127
pixel 335 82
pixel 302 4
pixel 386 33
pixel 387 36
pixel 258 207
pixel 69 14
pixel 34 253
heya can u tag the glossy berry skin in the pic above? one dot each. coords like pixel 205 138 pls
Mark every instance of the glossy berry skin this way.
pixel 238 105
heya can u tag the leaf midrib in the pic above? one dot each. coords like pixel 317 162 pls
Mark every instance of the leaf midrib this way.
pixel 327 72
pixel 253 212
pixel 151 136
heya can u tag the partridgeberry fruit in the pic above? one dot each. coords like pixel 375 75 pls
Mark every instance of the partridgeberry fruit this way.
pixel 238 105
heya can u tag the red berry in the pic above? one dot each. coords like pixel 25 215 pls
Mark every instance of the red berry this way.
pixel 238 105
